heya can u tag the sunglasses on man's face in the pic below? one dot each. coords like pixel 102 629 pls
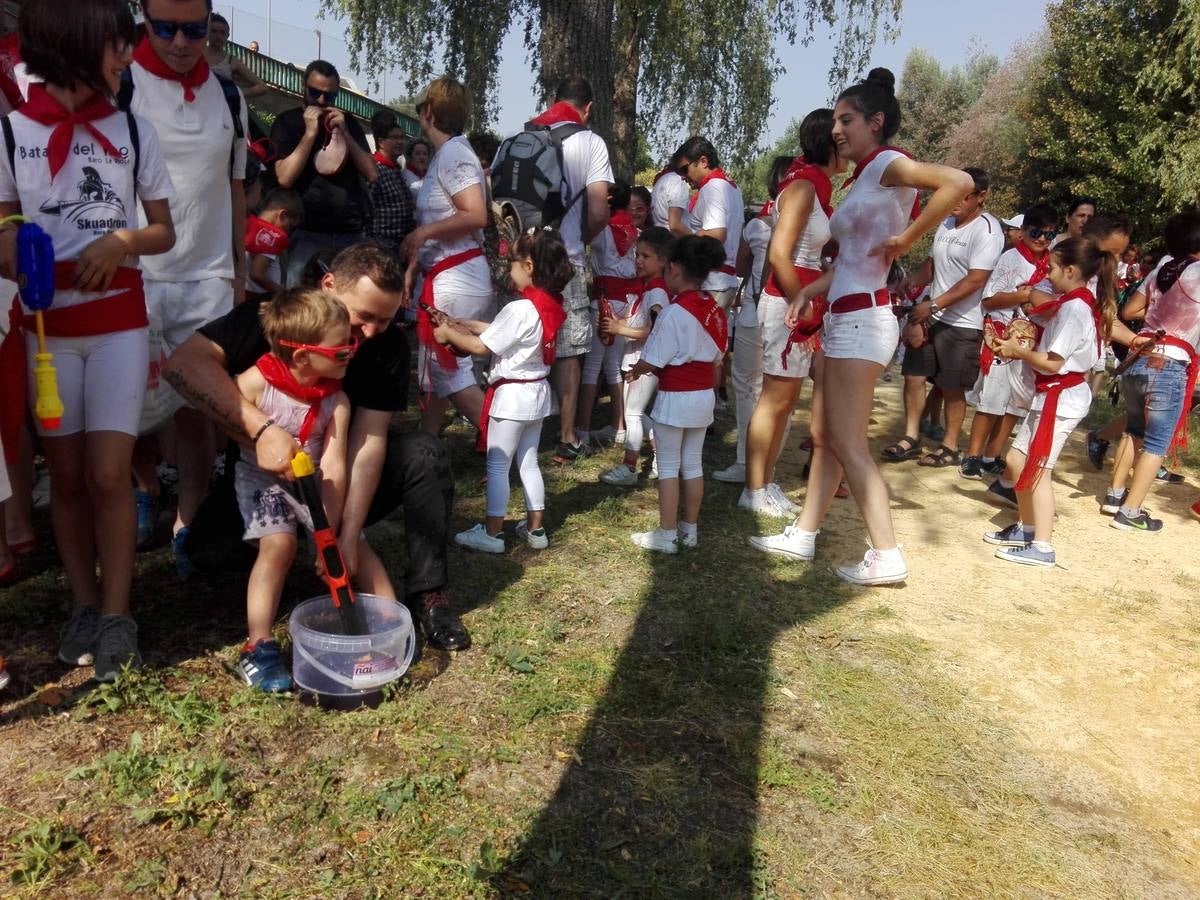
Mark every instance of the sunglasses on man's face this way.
pixel 340 354
pixel 193 31
pixel 1038 233
pixel 315 94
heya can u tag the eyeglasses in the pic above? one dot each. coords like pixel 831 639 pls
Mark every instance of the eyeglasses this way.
pixel 341 354
pixel 193 31
pixel 315 94
pixel 1038 233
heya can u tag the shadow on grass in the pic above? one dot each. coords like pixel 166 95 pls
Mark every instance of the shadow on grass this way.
pixel 661 798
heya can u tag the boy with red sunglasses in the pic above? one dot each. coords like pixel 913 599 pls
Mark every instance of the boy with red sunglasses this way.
pixel 298 384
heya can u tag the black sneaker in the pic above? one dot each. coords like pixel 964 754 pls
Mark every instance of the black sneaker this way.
pixel 1113 501
pixel 1004 494
pixel 1140 522
pixel 971 467
pixel 1096 450
pixel 1165 477
pixel 569 452
pixel 994 467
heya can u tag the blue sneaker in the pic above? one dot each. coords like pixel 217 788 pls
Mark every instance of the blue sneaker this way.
pixel 183 565
pixel 1003 494
pixel 147 517
pixel 262 667
pixel 1015 535
pixel 1027 555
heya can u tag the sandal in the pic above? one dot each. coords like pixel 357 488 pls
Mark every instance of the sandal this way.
pixel 940 458
pixel 897 452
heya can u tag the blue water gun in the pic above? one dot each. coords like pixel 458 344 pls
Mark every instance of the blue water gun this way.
pixel 35 281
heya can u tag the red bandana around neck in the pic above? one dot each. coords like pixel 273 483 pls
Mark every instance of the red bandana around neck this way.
pixel 710 316
pixel 802 170
pixel 44 109
pixel 624 232
pixel 714 175
pixel 557 114
pixel 1041 264
pixel 866 161
pixel 1049 310
pixel 384 161
pixel 411 166
pixel 264 237
pixel 550 311
pixel 145 56
pixel 280 377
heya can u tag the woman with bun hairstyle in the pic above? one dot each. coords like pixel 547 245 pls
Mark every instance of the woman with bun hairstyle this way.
pixel 801 218
pixel 688 338
pixel 878 221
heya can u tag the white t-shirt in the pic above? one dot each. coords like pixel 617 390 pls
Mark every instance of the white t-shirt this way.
pixel 719 204
pixel 274 272
pixel 669 192
pixel 453 169
pixel 867 216
pixel 1071 334
pixel 638 316
pixel 93 193
pixel 196 139
pixel 976 245
pixel 678 338
pixel 757 235
pixel 585 162
pixel 413 180
pixel 606 260
pixel 515 339
pixel 1012 272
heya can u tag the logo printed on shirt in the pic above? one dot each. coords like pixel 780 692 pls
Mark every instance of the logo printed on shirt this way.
pixel 97 209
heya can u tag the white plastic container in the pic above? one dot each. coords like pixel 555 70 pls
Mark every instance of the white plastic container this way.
pixel 328 663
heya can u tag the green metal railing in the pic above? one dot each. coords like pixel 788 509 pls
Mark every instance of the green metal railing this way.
pixel 289 79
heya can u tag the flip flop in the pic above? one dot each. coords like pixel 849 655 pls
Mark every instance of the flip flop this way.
pixel 897 453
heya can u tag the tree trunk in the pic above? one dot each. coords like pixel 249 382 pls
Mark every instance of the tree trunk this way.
pixel 576 38
pixel 623 148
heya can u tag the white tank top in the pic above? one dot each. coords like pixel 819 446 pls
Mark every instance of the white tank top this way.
pixel 289 415
pixel 869 215
pixel 812 240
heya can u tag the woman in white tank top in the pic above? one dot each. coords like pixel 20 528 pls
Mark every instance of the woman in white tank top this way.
pixel 876 223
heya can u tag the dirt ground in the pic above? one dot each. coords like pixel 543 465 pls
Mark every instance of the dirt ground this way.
pixel 1094 664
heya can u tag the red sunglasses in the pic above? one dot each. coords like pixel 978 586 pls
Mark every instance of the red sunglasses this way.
pixel 341 354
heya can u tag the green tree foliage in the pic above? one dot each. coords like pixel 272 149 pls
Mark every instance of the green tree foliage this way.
pixel 934 99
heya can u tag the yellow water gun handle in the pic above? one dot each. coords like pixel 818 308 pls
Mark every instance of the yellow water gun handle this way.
pixel 47 404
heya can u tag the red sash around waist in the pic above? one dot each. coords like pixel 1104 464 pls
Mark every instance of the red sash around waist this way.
pixel 1180 439
pixel 849 303
pixel 445 356
pixel 690 376
pixel 490 395
pixel 806 330
pixel 1043 438
pixel 612 287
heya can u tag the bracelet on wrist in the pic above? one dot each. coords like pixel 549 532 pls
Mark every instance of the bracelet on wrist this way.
pixel 265 425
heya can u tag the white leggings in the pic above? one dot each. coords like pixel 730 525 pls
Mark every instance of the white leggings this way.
pixel 679 451
pixel 639 394
pixel 508 439
pixel 604 358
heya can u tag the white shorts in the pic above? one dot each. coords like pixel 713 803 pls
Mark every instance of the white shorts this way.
pixel 1063 426
pixel 479 307
pixel 992 391
pixel 1021 388
pixel 101 380
pixel 182 307
pixel 869 334
pixel 267 507
pixel 774 333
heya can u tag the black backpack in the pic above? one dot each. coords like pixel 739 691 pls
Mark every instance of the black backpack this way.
pixel 529 180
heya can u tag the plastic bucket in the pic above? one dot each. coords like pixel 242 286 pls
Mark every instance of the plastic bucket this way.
pixel 328 663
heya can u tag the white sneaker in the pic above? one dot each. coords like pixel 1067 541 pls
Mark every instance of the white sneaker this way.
pixel 620 475
pixel 734 474
pixel 782 500
pixel 688 540
pixel 875 568
pixel 764 503
pixel 794 542
pixel 535 539
pixel 662 541
pixel 477 538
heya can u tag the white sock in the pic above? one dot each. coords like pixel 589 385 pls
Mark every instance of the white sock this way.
pixel 1005 483
pixel 688 528
pixel 1044 546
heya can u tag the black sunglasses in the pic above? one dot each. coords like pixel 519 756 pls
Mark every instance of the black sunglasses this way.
pixel 193 31
pixel 1037 233
pixel 316 94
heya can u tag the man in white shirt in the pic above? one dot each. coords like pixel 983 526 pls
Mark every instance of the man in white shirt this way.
pixel 586 169
pixel 717 210
pixel 202 276
pixel 669 197
pixel 966 248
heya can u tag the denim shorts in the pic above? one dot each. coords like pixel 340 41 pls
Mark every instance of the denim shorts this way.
pixel 1154 400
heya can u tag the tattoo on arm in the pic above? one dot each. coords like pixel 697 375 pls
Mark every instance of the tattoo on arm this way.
pixel 225 417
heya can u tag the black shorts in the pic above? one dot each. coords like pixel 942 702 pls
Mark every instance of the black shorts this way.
pixel 950 358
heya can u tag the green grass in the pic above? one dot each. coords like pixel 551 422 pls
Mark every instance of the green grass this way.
pixel 705 725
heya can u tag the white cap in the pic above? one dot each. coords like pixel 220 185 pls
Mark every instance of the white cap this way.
pixel 1015 222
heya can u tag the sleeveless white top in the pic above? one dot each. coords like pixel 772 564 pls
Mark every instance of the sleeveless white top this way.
pixel 289 415
pixel 869 215
pixel 812 240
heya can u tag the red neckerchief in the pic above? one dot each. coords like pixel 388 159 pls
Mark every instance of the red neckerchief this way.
pixel 766 209
pixel 666 171
pixel 1049 309
pixel 280 377
pixel 557 114
pixel 866 161
pixel 145 56
pixel 1041 264
pixel 45 110
pixel 550 311
pixel 624 232
pixel 411 166
pixel 384 161
pixel 650 284
pixel 710 316
pixel 715 174
pixel 802 170
pixel 264 237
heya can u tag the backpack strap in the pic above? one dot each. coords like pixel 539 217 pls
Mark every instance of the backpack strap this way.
pixel 136 144
pixel 10 145
pixel 233 99
pixel 557 137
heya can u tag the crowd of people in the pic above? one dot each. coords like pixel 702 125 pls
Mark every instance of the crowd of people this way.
pixel 273 286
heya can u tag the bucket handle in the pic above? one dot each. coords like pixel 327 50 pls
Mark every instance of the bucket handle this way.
pixel 360 685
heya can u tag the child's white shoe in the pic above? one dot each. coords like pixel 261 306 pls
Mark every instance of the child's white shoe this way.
pixel 535 539
pixel 659 540
pixel 782 500
pixel 762 502
pixel 794 542
pixel 877 567
pixel 620 475
pixel 477 538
